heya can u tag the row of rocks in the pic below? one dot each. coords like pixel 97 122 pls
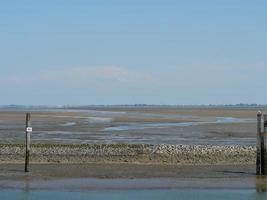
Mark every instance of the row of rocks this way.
pixel 137 153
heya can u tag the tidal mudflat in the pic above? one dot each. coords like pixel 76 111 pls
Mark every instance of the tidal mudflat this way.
pixel 135 125
pixel 133 153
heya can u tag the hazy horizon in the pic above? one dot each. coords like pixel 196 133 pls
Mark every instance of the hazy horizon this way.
pixel 127 105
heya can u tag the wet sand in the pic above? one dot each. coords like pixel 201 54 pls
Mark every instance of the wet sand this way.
pixel 124 171
pixel 133 125
pixel 129 176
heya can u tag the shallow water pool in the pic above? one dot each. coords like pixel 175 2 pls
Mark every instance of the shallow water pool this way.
pixel 165 194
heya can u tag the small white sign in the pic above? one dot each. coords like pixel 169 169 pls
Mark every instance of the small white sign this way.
pixel 29 129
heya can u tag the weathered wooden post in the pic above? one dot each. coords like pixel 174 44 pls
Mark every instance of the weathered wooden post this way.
pixel 264 147
pixel 258 160
pixel 28 131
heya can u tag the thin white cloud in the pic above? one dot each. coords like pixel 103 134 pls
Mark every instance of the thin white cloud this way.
pixel 80 75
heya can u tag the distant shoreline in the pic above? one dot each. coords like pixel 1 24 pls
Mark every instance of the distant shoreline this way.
pixel 234 106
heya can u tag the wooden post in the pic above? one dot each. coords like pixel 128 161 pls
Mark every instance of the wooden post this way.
pixel 28 131
pixel 264 147
pixel 258 160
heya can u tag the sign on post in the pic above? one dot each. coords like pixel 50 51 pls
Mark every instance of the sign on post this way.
pixel 29 129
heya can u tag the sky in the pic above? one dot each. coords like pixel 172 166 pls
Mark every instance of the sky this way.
pixel 83 52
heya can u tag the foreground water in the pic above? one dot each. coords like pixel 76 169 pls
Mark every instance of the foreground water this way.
pixel 165 194
pixel 133 189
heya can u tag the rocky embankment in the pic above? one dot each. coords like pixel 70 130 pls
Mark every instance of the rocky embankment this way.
pixel 139 153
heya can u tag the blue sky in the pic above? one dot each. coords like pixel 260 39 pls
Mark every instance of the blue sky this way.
pixel 133 51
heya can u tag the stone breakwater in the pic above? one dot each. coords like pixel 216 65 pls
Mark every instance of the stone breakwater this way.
pixel 139 153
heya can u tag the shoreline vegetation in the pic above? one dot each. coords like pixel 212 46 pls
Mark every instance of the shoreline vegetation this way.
pixel 159 154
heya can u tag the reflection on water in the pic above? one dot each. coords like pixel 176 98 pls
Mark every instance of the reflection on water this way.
pixel 261 184
pixel 101 189
pixel 26 192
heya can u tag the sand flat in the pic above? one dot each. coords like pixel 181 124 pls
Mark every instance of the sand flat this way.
pixel 155 125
